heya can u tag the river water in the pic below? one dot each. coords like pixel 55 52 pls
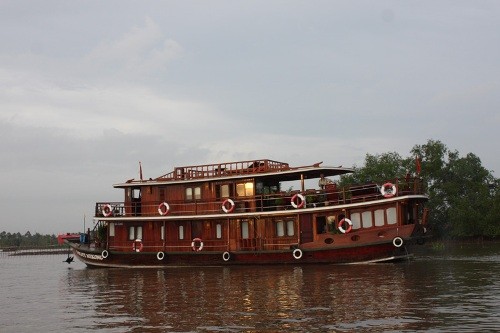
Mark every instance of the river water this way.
pixel 455 289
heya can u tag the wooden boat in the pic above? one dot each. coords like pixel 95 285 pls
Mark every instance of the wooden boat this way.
pixel 237 213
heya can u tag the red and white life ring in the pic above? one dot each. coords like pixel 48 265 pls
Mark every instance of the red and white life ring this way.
pixel 107 210
pixel 298 203
pixel 340 226
pixel 193 244
pixel 163 208
pixel 137 245
pixel 388 190
pixel 227 209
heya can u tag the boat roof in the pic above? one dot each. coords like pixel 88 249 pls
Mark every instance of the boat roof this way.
pixel 259 169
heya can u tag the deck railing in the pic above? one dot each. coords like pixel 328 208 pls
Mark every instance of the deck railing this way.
pixel 262 202
pixel 224 169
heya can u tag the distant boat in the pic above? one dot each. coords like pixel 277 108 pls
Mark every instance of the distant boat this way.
pixel 238 213
pixel 71 237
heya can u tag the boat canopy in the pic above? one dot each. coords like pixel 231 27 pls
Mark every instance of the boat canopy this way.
pixel 259 169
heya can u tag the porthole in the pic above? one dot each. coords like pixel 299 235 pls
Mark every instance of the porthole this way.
pixel 329 240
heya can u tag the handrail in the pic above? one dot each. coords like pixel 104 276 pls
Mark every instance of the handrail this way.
pixel 261 202
pixel 224 169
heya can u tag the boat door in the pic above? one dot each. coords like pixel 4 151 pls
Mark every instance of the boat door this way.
pixel 306 228
pixel 136 201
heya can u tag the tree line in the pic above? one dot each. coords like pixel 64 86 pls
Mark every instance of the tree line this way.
pixel 27 240
pixel 464 197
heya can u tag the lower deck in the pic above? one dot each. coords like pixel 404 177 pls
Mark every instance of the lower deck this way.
pixel 284 231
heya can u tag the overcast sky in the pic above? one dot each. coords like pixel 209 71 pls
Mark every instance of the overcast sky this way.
pixel 90 88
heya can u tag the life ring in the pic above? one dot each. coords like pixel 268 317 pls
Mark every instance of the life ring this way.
pixel 107 210
pixel 226 256
pixel 397 241
pixel 105 254
pixel 160 255
pixel 193 244
pixel 163 208
pixel 388 193
pixel 300 202
pixel 297 253
pixel 137 245
pixel 340 226
pixel 231 206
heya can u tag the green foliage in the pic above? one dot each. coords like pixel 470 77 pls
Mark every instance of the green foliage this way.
pixel 27 240
pixel 464 199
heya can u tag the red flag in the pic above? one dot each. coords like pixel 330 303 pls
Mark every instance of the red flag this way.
pixel 417 165
pixel 140 170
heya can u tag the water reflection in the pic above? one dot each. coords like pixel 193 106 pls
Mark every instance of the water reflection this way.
pixel 454 292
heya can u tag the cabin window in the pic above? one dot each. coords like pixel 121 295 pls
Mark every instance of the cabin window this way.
pixel 356 220
pixel 379 217
pixel 134 233
pixel 391 215
pixel 218 231
pixel 244 189
pixel 224 191
pixel 285 228
pixel 367 219
pixel 245 234
pixel 290 228
pixel 162 232
pixel 111 230
pixel 280 229
pixel 136 193
pixel 181 232
pixel 193 193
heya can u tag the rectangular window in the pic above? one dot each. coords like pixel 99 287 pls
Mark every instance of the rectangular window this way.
pixel 367 219
pixel 136 193
pixel 131 233
pixel 391 215
pixel 197 193
pixel 280 229
pixel 111 230
pixel 290 228
pixel 139 233
pixel 245 234
pixel 244 189
pixel 356 220
pixel 181 232
pixel 162 232
pixel 193 193
pixel 189 193
pixel 218 229
pixel 224 191
pixel 379 217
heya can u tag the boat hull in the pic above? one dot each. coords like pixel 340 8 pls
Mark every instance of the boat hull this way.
pixel 376 252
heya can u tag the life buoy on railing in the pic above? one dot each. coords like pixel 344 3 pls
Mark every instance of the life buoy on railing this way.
pixel 388 190
pixel 160 255
pixel 225 207
pixel 298 201
pixel 105 254
pixel 163 208
pixel 397 241
pixel 193 244
pixel 297 253
pixel 107 210
pixel 226 256
pixel 340 226
pixel 137 245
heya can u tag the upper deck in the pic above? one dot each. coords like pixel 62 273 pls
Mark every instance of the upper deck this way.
pixel 261 169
